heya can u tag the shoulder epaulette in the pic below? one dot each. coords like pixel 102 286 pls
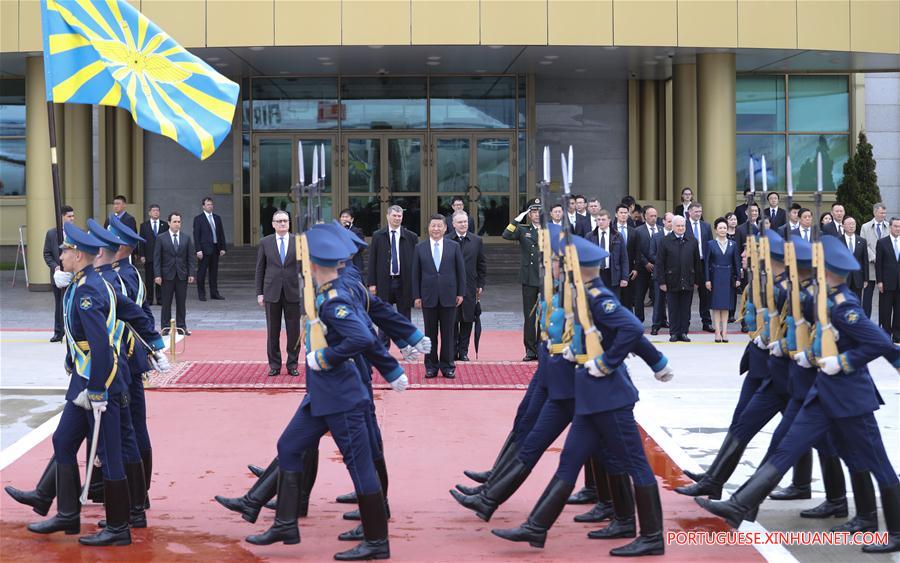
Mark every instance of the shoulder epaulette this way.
pixel 595 292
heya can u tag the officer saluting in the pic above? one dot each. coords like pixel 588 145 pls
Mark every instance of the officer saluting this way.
pixel 526 230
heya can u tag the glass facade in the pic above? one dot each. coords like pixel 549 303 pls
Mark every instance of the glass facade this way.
pixel 797 117
pixel 12 137
pixel 473 102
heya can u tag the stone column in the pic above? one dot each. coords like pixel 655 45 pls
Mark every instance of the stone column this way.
pixel 79 165
pixel 716 132
pixel 684 101
pixel 40 208
pixel 649 144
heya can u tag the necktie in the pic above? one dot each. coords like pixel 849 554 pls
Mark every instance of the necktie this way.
pixel 395 260
pixel 773 214
pixel 697 236
pixel 603 246
pixel 850 243
pixel 155 228
pixel 281 249
pixel 896 250
pixel 176 242
pixel 652 231
pixel 624 232
pixel 878 230
pixel 840 229
pixel 436 254
pixel 212 225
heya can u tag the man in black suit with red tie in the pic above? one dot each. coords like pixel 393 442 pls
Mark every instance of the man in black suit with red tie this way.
pixel 887 277
pixel 209 239
pixel 150 230
pixel 278 290
pixel 438 287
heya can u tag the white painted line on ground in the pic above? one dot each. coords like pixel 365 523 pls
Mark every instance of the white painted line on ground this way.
pixel 643 416
pixel 30 388
pixel 28 441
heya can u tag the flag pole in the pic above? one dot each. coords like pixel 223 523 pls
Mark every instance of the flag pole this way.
pixel 54 172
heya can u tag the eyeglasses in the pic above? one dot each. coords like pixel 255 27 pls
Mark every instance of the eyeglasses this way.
pixel 281 221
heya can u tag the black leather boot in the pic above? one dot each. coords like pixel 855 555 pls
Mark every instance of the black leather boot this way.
pixel 134 474
pixel 262 491
pixel 543 515
pixel 718 473
pixel 622 525
pixel 694 476
pixel 890 504
pixel 866 519
pixel 375 543
pixel 42 496
pixel 800 488
pixel 310 471
pixel 498 489
pixel 835 503
pixel 466 490
pixel 285 528
pixel 147 459
pixel 255 469
pixel 502 455
pixel 603 510
pixel 68 509
pixel 588 493
pixel 117 502
pixel 95 489
pixel 747 498
pixel 349 498
pixel 381 470
pixel 650 542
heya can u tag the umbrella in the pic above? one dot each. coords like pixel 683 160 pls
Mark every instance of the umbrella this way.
pixel 477 326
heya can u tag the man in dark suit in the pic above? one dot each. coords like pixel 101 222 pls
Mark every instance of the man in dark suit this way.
pixel 857 281
pixel 614 270
pixel 578 223
pixel 458 204
pixel 678 271
pixel 150 230
pixel 119 203
pixel 209 238
pixel 748 228
pixel 776 215
pixel 660 314
pixel 626 232
pixel 278 290
pixel 642 263
pixel 793 222
pixel 390 263
pixel 438 287
pixel 346 219
pixel 741 210
pixel 700 231
pixel 51 258
pixel 836 227
pixel 476 272
pixel 887 278
pixel 174 264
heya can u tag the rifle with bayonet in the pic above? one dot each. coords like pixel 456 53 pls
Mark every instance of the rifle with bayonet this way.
pixel 827 343
pixel 796 329
pixel 316 333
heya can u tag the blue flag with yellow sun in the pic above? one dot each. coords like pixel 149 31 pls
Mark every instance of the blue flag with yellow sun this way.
pixel 107 53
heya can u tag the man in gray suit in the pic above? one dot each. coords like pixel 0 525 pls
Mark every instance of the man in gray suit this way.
pixel 175 265
pixel 278 290
pixel 51 258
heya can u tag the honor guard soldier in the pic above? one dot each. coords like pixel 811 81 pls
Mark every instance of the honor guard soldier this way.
pixel 525 229
pixel 842 397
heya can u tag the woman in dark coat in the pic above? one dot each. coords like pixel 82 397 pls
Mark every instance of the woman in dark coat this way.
pixel 723 268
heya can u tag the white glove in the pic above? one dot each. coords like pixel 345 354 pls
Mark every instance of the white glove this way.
pixel 594 369
pixel 400 384
pixel 410 354
pixel 62 279
pixel 569 354
pixel 802 360
pixel 424 345
pixel 830 365
pixel 760 343
pixel 160 362
pixel 775 349
pixel 313 362
pixel 521 216
pixel 665 374
pixel 82 400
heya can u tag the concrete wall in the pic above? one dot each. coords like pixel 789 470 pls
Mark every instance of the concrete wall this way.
pixel 883 131
pixel 592 116
pixel 177 180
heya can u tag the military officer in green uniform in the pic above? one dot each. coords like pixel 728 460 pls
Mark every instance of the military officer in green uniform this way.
pixel 525 228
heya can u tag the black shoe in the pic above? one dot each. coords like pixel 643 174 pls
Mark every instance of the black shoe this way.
pixel 502 484
pixel 366 550
pixel 835 503
pixel 184 331
pixel 731 320
pixel 285 528
pixel 349 498
pixel 792 492
pixel 449 374
pixel 684 338
pixel 469 490
pixel 654 331
pixel 708 327
pixel 356 534
pixel 375 543
pixel 601 511
pixel 673 338
pixel 585 495
pixel 218 297
pixel 622 524
pixel 866 519
pixel 274 372
pixel 255 469
pixel 56 338
pixel 890 504
pixel 478 476
pixel 352 515
pixel 463 358
pixel 543 515
pixel 650 542
pixel 202 298
pixel 293 371
pixel 746 499
pixel 262 491
pixel 41 498
pixel 665 324
pixel 68 509
pixel 695 477
pixel 744 328
pixel 718 473
pixel 164 332
pixel 118 509
pixel 836 508
pixel 530 358
pixel 430 373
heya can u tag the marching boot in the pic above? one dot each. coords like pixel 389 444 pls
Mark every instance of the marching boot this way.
pixel 375 543
pixel 548 508
pixel 308 479
pixel 890 504
pixel 800 488
pixel 117 502
pixel 147 459
pixel 866 519
pixel 42 496
pixel 650 542
pixel 747 498
pixel 255 469
pixel 502 485
pixel 466 490
pixel 356 534
pixel 502 457
pixel 349 498
pixel 693 476
pixel 95 489
pixel 272 504
pixel 285 528
pixel 588 493
pixel 262 491
pixel 510 454
pixel 835 503
pixel 718 473
pixel 68 509
pixel 622 525
pixel 603 510
pixel 134 474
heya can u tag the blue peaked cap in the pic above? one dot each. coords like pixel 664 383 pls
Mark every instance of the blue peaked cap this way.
pixel 76 239
pixel 108 240
pixel 360 243
pixel 326 248
pixel 838 258
pixel 589 254
pixel 123 231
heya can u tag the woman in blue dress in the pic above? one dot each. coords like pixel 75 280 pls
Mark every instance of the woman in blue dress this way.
pixel 723 270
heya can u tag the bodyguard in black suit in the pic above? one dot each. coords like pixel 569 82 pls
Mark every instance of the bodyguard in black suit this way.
pixel 346 219
pixel 857 281
pixel 476 273
pixel 614 270
pixel 578 223
pixel 626 232
pixel 51 258
pixel 278 290
pixel 390 262
pixel 776 215
pixel 678 271
pixel 438 287
pixel 209 238
pixel 887 276
pixel 174 263
pixel 741 210
pixel 150 230
pixel 660 314
pixel 119 203
pixel 458 204
pixel 643 262
pixel 836 227
pixel 696 226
